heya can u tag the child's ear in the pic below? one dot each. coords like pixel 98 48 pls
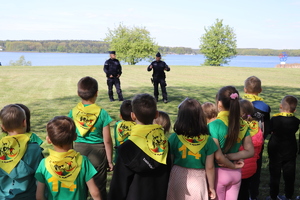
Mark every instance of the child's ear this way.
pixel 75 137
pixel 156 115
pixel 120 116
pixel 220 106
pixel 24 123
pixel 245 90
pixel 294 111
pixel 133 117
pixel 280 106
pixel 3 129
pixel 48 140
pixel 260 90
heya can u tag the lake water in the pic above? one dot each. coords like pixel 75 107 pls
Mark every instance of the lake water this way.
pixel 54 59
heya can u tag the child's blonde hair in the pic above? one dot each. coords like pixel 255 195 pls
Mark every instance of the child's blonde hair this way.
pixel 253 84
pixel 210 110
pixel 163 119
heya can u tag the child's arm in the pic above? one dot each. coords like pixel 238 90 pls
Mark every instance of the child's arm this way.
pixel 221 159
pixel 108 146
pixel 40 191
pixel 210 173
pixel 94 191
pixel 248 151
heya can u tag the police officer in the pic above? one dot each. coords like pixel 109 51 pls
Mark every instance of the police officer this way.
pixel 113 70
pixel 159 67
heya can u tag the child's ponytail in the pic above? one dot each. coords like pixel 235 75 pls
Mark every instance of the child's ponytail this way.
pixel 229 97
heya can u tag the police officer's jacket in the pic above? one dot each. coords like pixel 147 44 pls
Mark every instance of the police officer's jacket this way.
pixel 112 67
pixel 158 69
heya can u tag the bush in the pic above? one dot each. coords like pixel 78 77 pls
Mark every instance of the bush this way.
pixel 20 62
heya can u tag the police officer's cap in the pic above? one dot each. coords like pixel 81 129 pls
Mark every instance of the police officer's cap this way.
pixel 112 52
pixel 158 54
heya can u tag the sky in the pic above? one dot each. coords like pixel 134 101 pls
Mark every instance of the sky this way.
pixel 271 24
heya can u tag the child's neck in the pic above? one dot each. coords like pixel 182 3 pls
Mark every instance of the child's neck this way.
pixel 252 93
pixel 16 132
pixel 285 111
pixel 90 101
pixel 64 148
pixel 210 120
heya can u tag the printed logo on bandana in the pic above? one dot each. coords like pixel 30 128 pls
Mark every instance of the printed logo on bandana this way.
pixel 86 120
pixel 65 168
pixel 194 141
pixel 156 141
pixel 7 152
pixel 124 130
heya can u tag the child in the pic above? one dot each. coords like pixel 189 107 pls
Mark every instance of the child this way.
pixel 193 151
pixel 282 147
pixel 19 158
pixel 252 87
pixel 33 137
pixel 229 133
pixel 256 134
pixel 143 166
pixel 163 119
pixel 65 173
pixel 210 110
pixel 123 127
pixel 93 131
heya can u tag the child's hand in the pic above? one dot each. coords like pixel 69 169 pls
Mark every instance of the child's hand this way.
pixel 239 163
pixel 211 193
pixel 110 167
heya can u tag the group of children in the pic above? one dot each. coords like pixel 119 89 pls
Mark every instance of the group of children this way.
pixel 215 151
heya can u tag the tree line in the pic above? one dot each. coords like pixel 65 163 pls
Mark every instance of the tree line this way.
pixel 92 46
pixel 75 46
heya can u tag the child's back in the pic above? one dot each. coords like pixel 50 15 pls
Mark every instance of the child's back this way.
pixel 143 165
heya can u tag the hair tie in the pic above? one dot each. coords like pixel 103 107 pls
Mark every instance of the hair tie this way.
pixel 249 116
pixel 234 96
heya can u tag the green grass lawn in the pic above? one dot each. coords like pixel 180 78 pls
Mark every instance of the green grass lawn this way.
pixel 49 91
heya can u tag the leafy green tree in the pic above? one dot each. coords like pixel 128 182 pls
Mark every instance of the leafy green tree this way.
pixel 20 62
pixel 132 44
pixel 218 44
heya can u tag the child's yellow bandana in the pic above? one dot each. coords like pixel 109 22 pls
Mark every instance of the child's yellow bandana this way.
pixel 194 144
pixel 124 130
pixel 252 97
pixel 12 149
pixel 253 127
pixel 64 166
pixel 223 115
pixel 284 114
pixel 152 140
pixel 85 117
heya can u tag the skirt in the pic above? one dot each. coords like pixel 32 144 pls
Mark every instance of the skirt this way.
pixel 187 184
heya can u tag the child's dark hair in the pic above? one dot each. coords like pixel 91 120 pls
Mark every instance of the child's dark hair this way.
pixel 144 108
pixel 210 110
pixel 61 130
pixel 125 110
pixel 12 117
pixel 253 84
pixel 190 120
pixel 87 87
pixel 229 96
pixel 289 103
pixel 247 110
pixel 27 113
pixel 163 119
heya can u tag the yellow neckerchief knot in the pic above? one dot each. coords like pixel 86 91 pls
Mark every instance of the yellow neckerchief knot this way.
pixel 223 116
pixel 152 140
pixel 12 150
pixel 123 130
pixel 64 166
pixel 194 144
pixel 284 114
pixel 252 97
pixel 85 117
